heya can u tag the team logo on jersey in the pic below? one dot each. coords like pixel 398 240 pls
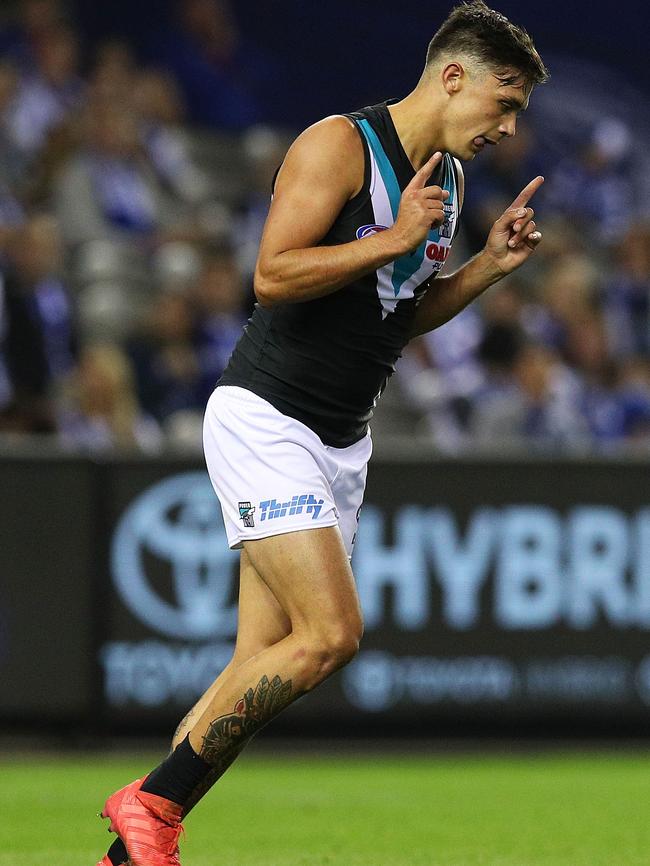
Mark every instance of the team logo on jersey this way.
pixel 270 509
pixel 246 512
pixel 446 230
pixel 366 231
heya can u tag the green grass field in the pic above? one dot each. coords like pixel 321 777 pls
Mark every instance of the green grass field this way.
pixel 591 810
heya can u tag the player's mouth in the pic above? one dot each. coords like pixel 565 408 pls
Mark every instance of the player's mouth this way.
pixel 481 140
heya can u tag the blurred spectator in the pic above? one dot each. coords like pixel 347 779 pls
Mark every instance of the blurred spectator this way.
pixel 531 403
pixel 176 266
pixel 603 403
pixel 265 149
pixel 568 291
pixel 46 94
pixel 225 80
pixel 98 407
pixel 39 342
pixel 634 387
pixel 161 111
pixel 113 73
pixel 12 160
pixel 595 186
pixel 165 359
pixel 443 372
pixel 626 295
pixel 439 373
pixel 111 189
pixel 22 38
pixel 12 216
pixel 218 296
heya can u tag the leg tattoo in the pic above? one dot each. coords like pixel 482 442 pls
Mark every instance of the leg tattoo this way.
pixel 229 733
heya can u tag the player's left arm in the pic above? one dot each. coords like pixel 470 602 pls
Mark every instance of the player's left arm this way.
pixel 512 240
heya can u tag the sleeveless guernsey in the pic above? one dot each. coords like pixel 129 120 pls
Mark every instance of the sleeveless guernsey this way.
pixel 325 362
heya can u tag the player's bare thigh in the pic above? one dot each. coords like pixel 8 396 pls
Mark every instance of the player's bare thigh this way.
pixel 309 573
pixel 261 620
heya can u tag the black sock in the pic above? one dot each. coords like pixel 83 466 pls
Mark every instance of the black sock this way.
pixel 178 776
pixel 117 853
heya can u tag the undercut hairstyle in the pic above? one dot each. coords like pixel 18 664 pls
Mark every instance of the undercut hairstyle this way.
pixel 475 30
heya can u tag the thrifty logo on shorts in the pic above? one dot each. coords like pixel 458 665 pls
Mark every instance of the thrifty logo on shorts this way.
pixel 307 502
pixel 246 512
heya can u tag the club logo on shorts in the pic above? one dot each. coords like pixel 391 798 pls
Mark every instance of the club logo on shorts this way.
pixel 246 512
pixel 307 502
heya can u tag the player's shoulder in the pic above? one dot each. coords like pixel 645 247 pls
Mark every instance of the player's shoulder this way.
pixel 332 146
pixel 336 131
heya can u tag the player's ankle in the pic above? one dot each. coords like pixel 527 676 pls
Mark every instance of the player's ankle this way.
pixel 179 775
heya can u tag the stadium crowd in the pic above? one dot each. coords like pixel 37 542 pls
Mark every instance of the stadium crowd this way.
pixel 131 202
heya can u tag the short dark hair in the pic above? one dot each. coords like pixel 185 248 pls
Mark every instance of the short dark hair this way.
pixel 474 29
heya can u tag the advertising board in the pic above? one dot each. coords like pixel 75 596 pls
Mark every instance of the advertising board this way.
pixel 490 591
pixel 48 580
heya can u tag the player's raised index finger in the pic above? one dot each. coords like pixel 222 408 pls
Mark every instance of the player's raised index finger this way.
pixel 423 174
pixel 527 192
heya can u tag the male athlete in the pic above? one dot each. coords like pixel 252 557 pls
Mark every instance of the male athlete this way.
pixel 365 209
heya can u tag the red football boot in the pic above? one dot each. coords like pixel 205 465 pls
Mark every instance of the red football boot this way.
pixel 117 798
pixel 148 825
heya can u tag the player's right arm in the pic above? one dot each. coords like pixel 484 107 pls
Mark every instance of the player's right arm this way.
pixel 324 169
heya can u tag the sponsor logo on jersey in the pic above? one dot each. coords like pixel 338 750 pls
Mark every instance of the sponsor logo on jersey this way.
pixel 270 509
pixel 366 231
pixel 246 512
pixel 437 253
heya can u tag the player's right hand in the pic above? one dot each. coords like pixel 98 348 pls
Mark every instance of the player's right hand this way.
pixel 421 207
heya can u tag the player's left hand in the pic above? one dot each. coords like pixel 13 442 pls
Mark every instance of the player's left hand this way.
pixel 514 236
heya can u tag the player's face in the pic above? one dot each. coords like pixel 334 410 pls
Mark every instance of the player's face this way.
pixel 483 113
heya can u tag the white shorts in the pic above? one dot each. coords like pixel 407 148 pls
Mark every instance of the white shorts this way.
pixel 273 474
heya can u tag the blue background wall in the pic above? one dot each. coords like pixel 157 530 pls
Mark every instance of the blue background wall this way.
pixel 377 49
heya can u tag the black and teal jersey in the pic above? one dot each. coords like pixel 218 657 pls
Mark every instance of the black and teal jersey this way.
pixel 326 361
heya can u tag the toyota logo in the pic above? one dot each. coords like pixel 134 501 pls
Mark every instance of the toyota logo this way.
pixel 177 523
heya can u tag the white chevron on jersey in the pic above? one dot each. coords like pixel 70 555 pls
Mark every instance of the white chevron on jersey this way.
pixel 384 217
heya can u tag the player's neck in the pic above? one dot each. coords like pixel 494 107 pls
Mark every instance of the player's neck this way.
pixel 418 125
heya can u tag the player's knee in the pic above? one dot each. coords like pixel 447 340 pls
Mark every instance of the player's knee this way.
pixel 331 648
pixel 342 646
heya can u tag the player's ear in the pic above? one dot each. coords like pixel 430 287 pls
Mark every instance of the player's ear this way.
pixel 452 77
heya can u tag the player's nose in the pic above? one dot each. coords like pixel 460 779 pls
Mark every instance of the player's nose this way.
pixel 508 127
